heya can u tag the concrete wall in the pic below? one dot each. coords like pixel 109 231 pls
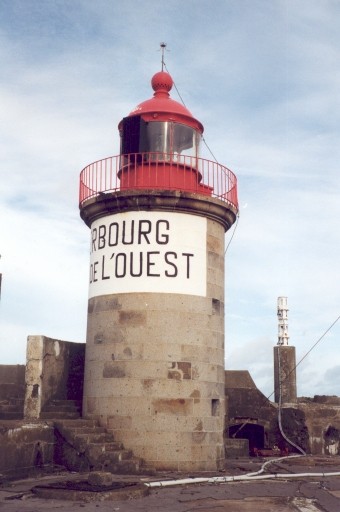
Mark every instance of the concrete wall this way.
pixel 54 370
pixel 25 448
pixel 285 374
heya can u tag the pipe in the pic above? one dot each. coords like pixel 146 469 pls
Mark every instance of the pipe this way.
pixel 236 478
pixel 280 459
pixel 241 478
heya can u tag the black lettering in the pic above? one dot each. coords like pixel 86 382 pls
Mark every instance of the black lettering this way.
pixel 174 271
pixel 162 239
pixel 124 241
pixel 188 262
pixel 103 267
pixel 144 232
pixel 113 235
pixel 93 272
pixel 150 264
pixel 101 236
pixel 122 272
pixel 140 271
pixel 94 238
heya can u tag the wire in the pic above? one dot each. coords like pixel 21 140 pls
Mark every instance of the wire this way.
pixel 212 154
pixel 232 236
pixel 233 233
pixel 316 343
pixel 180 97
pixel 266 398
pixel 309 351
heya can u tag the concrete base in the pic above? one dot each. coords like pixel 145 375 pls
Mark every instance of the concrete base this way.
pixel 236 448
pixel 84 491
pixel 25 448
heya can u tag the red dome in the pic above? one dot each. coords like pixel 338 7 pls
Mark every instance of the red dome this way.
pixel 162 108
pixel 162 81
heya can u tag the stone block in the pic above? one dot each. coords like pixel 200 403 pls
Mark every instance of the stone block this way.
pixel 215 290
pixel 215 229
pixel 100 479
pixel 172 452
pixel 120 422
pixel 34 347
pixel 236 448
pixel 172 406
pixel 215 244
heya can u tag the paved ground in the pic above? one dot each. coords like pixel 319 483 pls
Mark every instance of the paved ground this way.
pixel 299 494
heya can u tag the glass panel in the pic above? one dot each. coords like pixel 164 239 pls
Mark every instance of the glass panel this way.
pixel 158 137
pixel 183 138
pixel 185 143
pixel 172 139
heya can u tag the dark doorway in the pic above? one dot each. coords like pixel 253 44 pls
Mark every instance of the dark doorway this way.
pixel 254 434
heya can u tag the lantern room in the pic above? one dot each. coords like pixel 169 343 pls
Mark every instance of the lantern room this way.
pixel 161 139
pixel 160 143
pixel 161 125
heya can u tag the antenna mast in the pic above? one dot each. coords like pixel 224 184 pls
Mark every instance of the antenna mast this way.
pixel 282 313
pixel 163 46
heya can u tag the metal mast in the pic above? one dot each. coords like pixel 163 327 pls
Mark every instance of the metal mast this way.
pixel 282 314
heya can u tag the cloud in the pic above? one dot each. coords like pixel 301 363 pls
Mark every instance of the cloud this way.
pixel 264 80
pixel 330 382
pixel 45 278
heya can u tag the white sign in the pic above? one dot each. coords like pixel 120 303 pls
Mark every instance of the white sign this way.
pixel 148 252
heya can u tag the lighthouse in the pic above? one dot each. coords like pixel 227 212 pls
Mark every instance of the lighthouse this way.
pixel 158 213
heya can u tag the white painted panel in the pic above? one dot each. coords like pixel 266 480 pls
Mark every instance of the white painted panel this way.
pixel 148 252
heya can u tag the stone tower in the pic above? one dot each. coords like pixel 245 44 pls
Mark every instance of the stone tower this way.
pixel 284 358
pixel 158 213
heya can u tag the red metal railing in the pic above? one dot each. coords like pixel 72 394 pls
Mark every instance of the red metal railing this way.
pixel 158 171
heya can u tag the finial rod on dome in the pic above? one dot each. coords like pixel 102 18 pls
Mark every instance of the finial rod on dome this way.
pixel 163 46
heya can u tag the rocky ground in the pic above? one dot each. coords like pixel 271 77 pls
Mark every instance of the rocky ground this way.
pixel 292 490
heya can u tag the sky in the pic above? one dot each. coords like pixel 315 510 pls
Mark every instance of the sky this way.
pixel 263 77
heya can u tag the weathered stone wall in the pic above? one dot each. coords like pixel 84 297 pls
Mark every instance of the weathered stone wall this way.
pixel 54 370
pixel 25 447
pixel 285 374
pixel 250 414
pixel 236 448
pixel 246 402
pixel 12 391
pixel 313 424
pixel 12 380
pixel 155 369
pixel 295 428
pixel 322 416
